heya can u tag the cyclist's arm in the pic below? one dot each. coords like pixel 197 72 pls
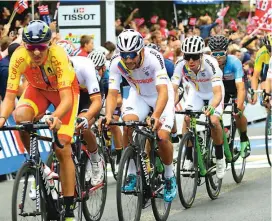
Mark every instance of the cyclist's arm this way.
pixel 119 100
pixel 217 96
pixel 176 78
pixel 95 107
pixel 269 78
pixel 257 70
pixel 111 101
pixel 162 82
pixel 114 88
pixel 92 84
pixel 16 67
pixel 240 84
pixel 268 85
pixel 8 105
pixel 66 102
pixel 217 82
pixel 66 78
pixel 241 93
pixel 161 102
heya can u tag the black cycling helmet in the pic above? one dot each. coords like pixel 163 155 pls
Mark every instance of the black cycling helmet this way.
pixel 267 42
pixel 218 43
pixel 37 32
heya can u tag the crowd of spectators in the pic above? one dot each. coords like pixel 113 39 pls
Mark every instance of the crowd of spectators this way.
pixel 156 30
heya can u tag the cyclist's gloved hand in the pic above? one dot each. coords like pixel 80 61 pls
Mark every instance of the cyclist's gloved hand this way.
pixel 253 96
pixel 84 123
pixel 54 123
pixel 156 124
pixel 238 112
pixel 208 110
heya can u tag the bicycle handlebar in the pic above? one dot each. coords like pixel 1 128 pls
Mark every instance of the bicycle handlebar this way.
pixel 31 127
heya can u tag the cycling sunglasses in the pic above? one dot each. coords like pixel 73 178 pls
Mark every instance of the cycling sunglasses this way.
pixel 218 53
pixel 195 57
pixel 33 47
pixel 126 55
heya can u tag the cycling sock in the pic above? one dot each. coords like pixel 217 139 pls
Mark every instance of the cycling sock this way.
pixel 69 206
pixel 219 152
pixel 189 153
pixel 118 155
pixel 168 171
pixel 95 156
pixel 243 136
pixel 131 167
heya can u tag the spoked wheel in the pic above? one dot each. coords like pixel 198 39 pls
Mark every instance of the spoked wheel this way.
pixel 24 199
pixel 160 208
pixel 268 137
pixel 213 184
pixel 113 159
pixel 238 164
pixel 129 202
pixel 186 179
pixel 94 196
pixel 51 160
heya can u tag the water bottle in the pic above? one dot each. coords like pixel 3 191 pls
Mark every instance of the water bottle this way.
pixel 159 166
pixel 201 142
pixel 146 161
pixel 227 132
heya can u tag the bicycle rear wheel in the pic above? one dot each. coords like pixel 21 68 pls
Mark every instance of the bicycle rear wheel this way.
pixel 238 164
pixel 94 196
pixel 129 203
pixel 186 179
pixel 213 184
pixel 21 196
pixel 268 137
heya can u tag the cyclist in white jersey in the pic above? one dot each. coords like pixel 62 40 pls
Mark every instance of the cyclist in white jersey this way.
pixel 90 104
pixel 99 59
pixel 203 73
pixel 151 87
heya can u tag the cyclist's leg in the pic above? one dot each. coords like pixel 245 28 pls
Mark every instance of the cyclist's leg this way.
pixel 67 167
pixel 166 148
pixel 117 135
pixel 31 105
pixel 193 102
pixel 217 136
pixel 135 108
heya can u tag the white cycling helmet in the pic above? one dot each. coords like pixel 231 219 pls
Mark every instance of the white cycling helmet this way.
pixel 193 45
pixel 102 49
pixel 68 47
pixel 98 58
pixel 130 41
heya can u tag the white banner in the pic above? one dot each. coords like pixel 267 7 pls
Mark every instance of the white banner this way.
pixel 82 15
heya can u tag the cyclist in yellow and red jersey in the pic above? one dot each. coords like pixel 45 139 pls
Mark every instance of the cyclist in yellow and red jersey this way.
pixel 51 80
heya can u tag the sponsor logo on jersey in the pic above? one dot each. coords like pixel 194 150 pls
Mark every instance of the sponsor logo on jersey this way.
pixel 209 63
pixel 15 66
pixel 158 56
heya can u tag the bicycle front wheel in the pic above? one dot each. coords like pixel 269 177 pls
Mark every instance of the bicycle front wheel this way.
pixel 187 179
pixel 24 199
pixel 129 203
pixel 161 209
pixel 268 137
pixel 238 164
pixel 213 184
pixel 94 196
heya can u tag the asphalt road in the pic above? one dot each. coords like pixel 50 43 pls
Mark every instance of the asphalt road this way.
pixel 249 200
